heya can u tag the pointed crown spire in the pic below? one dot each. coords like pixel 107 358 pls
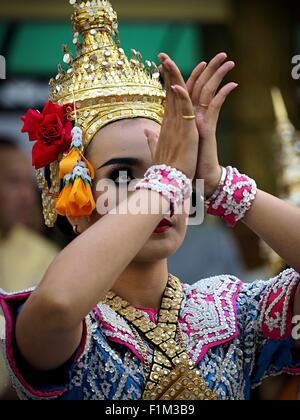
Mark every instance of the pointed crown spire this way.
pixel 105 85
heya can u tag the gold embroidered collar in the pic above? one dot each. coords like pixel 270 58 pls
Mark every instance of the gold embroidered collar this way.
pixel 172 375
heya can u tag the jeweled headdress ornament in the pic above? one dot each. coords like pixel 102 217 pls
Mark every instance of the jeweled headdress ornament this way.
pixel 100 86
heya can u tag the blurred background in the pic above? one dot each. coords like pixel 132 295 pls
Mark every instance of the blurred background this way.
pixel 262 36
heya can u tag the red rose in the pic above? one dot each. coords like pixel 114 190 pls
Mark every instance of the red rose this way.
pixel 52 132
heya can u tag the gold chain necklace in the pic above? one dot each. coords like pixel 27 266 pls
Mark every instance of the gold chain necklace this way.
pixel 173 375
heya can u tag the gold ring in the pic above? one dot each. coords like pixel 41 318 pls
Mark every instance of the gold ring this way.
pixel 189 117
pixel 204 105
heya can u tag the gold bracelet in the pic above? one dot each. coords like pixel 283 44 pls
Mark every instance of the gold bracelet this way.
pixel 210 199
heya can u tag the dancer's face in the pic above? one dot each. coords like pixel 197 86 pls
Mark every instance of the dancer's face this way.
pixel 122 147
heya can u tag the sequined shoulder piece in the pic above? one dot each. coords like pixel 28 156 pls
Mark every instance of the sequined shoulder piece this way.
pixel 276 307
pixel 117 329
pixel 208 316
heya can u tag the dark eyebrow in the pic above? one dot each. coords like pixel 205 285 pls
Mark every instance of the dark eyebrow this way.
pixel 121 161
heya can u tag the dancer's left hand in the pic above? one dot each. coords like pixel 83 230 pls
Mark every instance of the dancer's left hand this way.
pixel 202 87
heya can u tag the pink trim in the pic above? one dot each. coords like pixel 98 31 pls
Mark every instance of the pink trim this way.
pixel 292 371
pixel 6 301
pixel 231 195
pixel 277 306
pixel 107 327
pixel 82 344
pixel 5 304
pixel 130 346
pixel 151 312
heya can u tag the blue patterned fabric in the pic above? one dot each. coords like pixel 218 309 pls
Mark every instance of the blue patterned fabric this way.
pixel 230 345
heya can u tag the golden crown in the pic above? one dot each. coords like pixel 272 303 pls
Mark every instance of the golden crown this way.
pixel 105 85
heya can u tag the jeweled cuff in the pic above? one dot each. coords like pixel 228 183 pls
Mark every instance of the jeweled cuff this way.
pixel 171 183
pixel 234 199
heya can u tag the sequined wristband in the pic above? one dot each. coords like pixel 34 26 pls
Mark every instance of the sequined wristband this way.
pixel 171 183
pixel 234 199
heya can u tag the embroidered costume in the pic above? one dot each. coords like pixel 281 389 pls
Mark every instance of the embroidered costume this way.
pixel 213 340
pixel 236 334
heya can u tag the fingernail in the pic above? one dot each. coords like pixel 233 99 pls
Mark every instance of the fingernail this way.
pixel 173 88
pixel 162 57
pixel 167 65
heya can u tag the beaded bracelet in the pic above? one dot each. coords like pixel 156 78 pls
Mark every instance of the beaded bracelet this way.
pixel 171 183
pixel 234 198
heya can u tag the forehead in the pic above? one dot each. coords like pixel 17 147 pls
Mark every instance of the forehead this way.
pixel 124 138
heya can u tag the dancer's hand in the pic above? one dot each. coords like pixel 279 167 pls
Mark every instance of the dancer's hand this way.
pixel 177 144
pixel 202 87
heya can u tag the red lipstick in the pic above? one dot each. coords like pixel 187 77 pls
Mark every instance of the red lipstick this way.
pixel 163 227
